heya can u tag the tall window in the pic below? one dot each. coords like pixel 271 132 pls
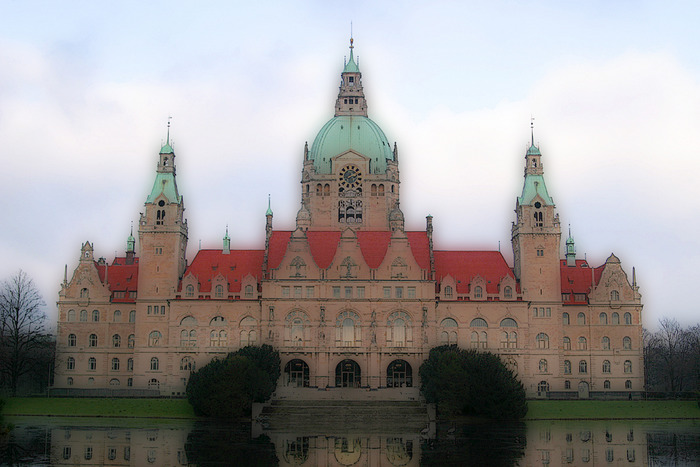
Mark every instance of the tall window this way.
pixel 582 343
pixel 626 343
pixel 189 291
pixel 92 363
pixel 72 340
pixel 154 363
pixel 154 338
pixel 131 341
pixel 117 316
pixel 628 384
pixel 70 363
pixel 603 318
pixel 95 315
pixel 628 366
pixel 92 340
pixel 130 364
pixel 581 318
pixel 543 366
pixel 508 292
pixel 542 341
pixel 606 366
pixel 448 292
pixel 615 318
pixel 606 343
pixel 187 364
pixel 115 364
pixel 116 340
pixel 582 366
pixel 448 331
pixel 565 318
pixel 132 316
pixel 71 315
pixel 567 367
pixel 248 291
pixel 219 291
pixel 478 292
pixel 614 295
pixel 83 315
pixel 567 343
pixel 628 318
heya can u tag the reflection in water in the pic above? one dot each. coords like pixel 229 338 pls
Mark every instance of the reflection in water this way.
pixel 56 441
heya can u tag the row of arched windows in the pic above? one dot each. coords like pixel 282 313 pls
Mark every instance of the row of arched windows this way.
pixel 583 366
pixel 95 316
pixel 602 318
pixel 478 292
pixel 605 343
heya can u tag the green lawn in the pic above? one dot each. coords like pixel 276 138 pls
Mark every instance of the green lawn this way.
pixel 98 407
pixel 587 410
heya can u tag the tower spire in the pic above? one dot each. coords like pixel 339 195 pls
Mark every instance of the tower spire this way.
pixel 351 96
pixel 532 130
pixel 167 141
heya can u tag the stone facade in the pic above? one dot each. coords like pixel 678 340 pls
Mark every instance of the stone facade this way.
pixel 349 297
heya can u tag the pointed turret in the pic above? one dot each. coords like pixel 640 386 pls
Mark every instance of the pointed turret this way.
pixel 130 247
pixel 570 250
pixel 351 96
pixel 227 243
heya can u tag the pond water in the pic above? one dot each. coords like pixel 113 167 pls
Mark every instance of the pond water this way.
pixel 90 441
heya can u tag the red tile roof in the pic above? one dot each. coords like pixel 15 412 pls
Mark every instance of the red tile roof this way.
pixel 420 248
pixel 373 246
pixel 463 266
pixel 120 277
pixel 579 278
pixel 234 267
pixel 323 246
pixel 279 241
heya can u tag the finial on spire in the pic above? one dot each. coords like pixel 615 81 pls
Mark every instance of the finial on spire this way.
pixel 269 205
pixel 532 129
pixel 351 39
pixel 132 228
pixel 168 139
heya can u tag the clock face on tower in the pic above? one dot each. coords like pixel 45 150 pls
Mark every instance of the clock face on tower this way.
pixel 350 177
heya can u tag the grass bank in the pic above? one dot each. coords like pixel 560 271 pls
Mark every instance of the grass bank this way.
pixel 98 407
pixel 598 410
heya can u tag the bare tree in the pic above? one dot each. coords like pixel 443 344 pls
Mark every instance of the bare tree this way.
pixel 22 334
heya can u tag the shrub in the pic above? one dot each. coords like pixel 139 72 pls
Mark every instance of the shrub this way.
pixel 467 382
pixel 227 388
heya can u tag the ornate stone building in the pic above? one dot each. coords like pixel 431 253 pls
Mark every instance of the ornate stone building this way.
pixel 349 297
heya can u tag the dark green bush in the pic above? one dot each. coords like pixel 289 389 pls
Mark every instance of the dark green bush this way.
pixel 227 388
pixel 467 382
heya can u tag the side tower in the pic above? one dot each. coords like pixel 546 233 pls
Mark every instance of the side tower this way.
pixel 350 176
pixel 162 235
pixel 536 234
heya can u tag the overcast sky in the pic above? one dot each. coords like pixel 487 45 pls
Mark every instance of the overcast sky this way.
pixel 86 89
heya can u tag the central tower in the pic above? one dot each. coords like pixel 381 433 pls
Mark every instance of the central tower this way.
pixel 350 176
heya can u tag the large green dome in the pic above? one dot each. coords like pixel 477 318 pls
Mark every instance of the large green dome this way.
pixel 354 132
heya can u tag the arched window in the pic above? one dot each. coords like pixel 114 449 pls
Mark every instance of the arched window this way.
pixel 449 329
pixel 130 364
pixel 348 332
pixel 72 340
pixel 628 384
pixel 508 292
pixel 399 374
pixel 248 333
pixel 478 323
pixel 615 318
pixel 628 366
pixel 95 315
pixel 70 363
pixel 603 317
pixel 380 190
pixel 70 383
pixel 153 384
pixel 373 190
pixel 479 339
pixel 326 190
pixel 567 367
pixel 398 332
pixel 606 384
pixel 448 292
pixel 614 295
pixel 189 291
pixel 92 363
pixel 567 343
pixel 115 364
pixel 131 341
pixel 187 364
pixel 628 318
pixel 71 315
pixel 92 340
pixel 132 316
pixel 114 382
pixel 154 364
pixel 319 190
pixel 626 343
pixel 219 291
pixel 509 340
pixel 582 343
pixel 248 291
pixel 542 341
pixel 116 340
pixel 478 292
pixel 543 386
pixel 581 318
pixel 565 318
pixel 509 323
pixel 606 366
pixel 83 315
pixel 154 338
pixel 582 366
pixel 605 343
pixel 117 318
pixel 543 366
pixel 84 293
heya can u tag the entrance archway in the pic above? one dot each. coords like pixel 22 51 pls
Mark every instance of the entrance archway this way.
pixel 399 374
pixel 296 374
pixel 583 390
pixel 347 374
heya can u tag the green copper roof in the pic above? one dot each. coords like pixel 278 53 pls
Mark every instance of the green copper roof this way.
pixel 534 186
pixel 165 184
pixel 534 150
pixel 166 149
pixel 354 132
pixel 351 66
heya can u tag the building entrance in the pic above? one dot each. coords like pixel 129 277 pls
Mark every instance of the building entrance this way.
pixel 399 374
pixel 347 374
pixel 296 374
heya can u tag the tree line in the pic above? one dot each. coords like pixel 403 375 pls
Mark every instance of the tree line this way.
pixel 672 358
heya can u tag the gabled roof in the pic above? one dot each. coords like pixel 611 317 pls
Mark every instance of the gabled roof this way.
pixel 323 246
pixel 579 278
pixel 233 266
pixel 463 266
pixel 373 246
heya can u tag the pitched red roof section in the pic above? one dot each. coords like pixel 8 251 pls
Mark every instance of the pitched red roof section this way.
pixel 463 266
pixel 580 278
pixel 420 248
pixel 323 246
pixel 373 246
pixel 279 240
pixel 234 267
pixel 121 277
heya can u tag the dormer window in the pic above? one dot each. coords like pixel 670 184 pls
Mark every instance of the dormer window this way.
pixel 351 80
